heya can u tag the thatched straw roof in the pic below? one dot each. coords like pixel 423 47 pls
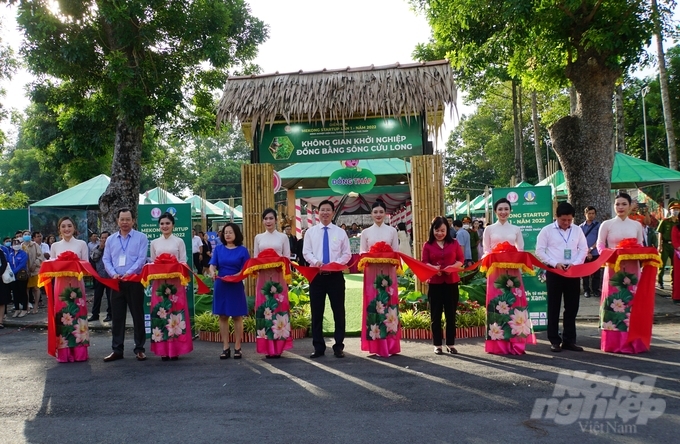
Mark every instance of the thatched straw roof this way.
pixel 336 95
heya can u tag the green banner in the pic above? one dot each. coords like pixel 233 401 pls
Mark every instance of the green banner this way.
pixel 369 138
pixel 351 180
pixel 531 211
pixel 147 223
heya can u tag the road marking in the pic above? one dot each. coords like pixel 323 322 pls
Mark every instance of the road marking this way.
pixel 360 382
pixel 311 388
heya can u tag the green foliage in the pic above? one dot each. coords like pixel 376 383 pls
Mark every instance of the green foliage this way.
pixel 415 319
pixel 473 292
pixel 15 200
pixel 122 68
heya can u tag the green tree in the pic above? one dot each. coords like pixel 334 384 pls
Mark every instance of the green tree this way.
pixel 8 65
pixel 146 60
pixel 588 44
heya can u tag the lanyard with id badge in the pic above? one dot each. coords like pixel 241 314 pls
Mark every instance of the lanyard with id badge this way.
pixel 567 251
pixel 121 258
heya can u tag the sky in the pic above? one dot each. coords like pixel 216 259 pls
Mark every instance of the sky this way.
pixel 309 35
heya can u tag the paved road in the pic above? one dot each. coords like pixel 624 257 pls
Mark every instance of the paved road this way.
pixel 416 397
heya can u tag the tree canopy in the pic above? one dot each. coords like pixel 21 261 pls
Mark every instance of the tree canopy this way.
pixel 548 44
pixel 141 64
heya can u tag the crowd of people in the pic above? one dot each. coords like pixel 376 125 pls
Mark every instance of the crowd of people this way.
pixel 560 246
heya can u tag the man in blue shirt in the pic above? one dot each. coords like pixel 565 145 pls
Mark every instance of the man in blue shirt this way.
pixel 463 238
pixel 592 285
pixel 125 255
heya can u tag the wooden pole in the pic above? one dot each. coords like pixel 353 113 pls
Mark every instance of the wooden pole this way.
pixel 427 195
pixel 258 193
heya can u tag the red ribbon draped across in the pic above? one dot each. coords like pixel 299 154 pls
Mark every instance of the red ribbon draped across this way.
pixel 67 264
pixel 265 260
pixel 166 266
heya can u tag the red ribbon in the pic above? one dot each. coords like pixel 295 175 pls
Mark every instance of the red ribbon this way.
pixel 167 263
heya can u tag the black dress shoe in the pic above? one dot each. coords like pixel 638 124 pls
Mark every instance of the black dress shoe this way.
pixel 316 354
pixel 339 354
pixel 93 318
pixel 107 319
pixel 113 357
pixel 586 294
pixel 141 356
pixel 571 347
pixel 555 348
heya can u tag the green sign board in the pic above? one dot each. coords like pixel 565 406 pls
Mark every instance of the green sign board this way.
pixel 147 223
pixel 351 180
pixel 531 211
pixel 369 138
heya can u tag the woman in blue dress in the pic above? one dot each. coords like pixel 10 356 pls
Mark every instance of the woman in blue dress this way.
pixel 229 299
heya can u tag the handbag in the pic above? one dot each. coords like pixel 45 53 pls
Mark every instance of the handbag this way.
pixel 22 275
pixel 8 276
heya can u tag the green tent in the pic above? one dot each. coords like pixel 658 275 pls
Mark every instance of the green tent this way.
pixel 628 172
pixel 197 203
pixel 229 212
pixel 161 196
pixel 84 195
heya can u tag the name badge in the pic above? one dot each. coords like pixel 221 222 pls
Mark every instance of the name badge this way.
pixel 121 261
pixel 567 254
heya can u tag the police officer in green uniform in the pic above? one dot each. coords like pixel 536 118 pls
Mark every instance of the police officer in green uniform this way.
pixel 665 247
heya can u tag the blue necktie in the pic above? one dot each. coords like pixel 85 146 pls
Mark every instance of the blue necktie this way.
pixel 326 247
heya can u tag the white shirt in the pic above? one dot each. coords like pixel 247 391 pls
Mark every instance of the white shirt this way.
pixel 172 245
pixel 338 243
pixel 77 246
pixel 498 233
pixel 554 244
pixel 375 233
pixel 615 230
pixel 45 248
pixel 404 243
pixel 275 240
pixel 196 244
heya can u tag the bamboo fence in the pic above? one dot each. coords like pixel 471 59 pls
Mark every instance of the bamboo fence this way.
pixel 427 197
pixel 257 184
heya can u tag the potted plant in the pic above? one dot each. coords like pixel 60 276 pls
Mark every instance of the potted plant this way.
pixel 208 327
pixel 415 324
pixel 470 320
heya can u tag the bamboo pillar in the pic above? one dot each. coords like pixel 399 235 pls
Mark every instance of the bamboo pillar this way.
pixel 427 196
pixel 257 186
pixel 290 207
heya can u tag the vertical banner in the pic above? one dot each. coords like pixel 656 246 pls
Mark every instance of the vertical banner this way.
pixel 147 223
pixel 531 211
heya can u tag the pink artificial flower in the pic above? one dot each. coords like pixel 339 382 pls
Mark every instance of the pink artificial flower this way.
pixel 281 327
pixel 510 283
pixel 495 332
pixel 520 324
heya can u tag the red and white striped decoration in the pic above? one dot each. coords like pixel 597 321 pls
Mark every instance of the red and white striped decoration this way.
pixel 298 219
pixel 316 216
pixel 408 216
pixel 309 215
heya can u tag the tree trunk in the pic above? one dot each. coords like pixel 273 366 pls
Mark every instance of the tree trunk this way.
pixel 123 191
pixel 517 139
pixel 583 141
pixel 537 138
pixel 620 121
pixel 665 97
pixel 572 100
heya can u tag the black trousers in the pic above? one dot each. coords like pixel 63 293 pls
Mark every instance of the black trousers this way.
pixel 131 295
pixel 443 298
pixel 593 283
pixel 333 285
pixel 560 287
pixel 197 263
pixel 99 290
pixel 19 295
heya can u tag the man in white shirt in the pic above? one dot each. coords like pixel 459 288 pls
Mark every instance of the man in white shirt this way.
pixel 326 243
pixel 197 251
pixel 561 245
